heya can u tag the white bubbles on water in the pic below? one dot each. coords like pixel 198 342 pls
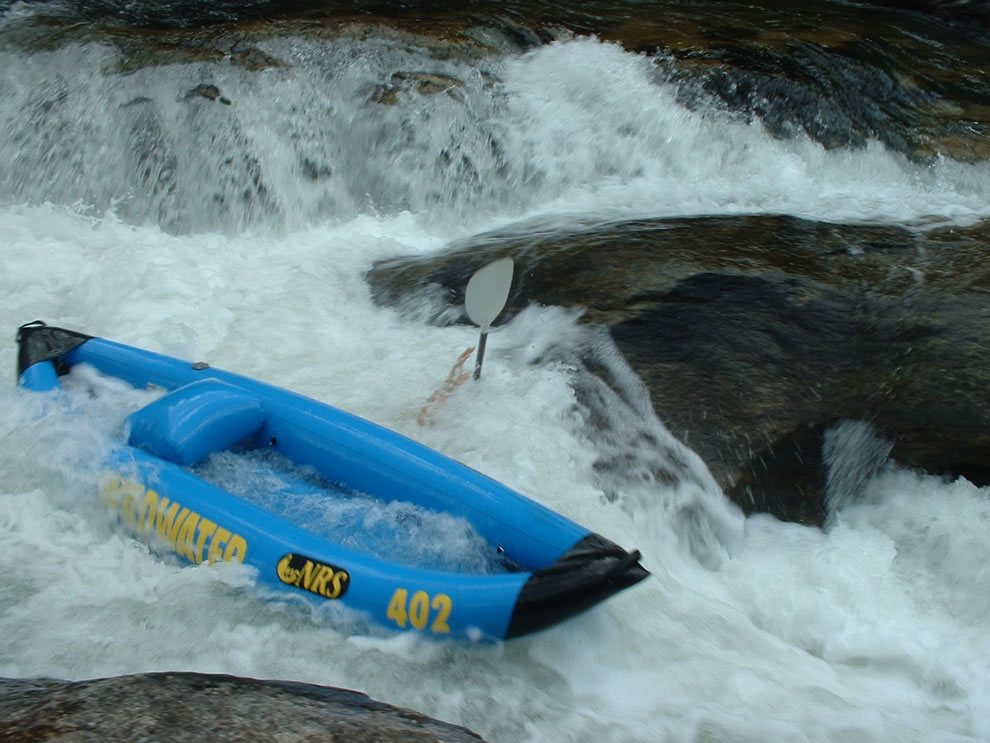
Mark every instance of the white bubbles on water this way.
pixel 578 125
pixel 874 629
pixel 634 459
pixel 595 129
pixel 853 452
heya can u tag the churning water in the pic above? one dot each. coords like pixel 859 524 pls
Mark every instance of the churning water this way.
pixel 240 233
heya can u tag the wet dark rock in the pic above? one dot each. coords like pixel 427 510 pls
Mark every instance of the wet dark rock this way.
pixel 178 707
pixel 315 171
pixel 175 13
pixel 424 83
pixel 137 52
pixel 841 74
pixel 151 156
pixel 137 101
pixel 207 91
pixel 836 100
pixel 588 15
pixel 756 335
pixel 253 59
pixel 969 12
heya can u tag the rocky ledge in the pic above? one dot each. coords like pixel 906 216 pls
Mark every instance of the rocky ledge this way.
pixel 756 335
pixel 180 707
pixel 908 73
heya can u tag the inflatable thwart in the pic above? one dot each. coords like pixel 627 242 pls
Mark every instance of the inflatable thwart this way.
pixel 546 567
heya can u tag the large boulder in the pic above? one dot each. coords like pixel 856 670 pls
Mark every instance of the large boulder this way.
pixel 757 335
pixel 181 706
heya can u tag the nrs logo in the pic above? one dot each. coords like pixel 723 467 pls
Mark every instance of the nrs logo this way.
pixel 314 576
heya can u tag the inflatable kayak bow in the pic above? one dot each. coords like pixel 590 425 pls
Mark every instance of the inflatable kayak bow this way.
pixel 551 567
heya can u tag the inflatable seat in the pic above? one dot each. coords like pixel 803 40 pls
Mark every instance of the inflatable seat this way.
pixel 191 422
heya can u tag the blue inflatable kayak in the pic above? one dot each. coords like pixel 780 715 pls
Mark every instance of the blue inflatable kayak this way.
pixel 544 567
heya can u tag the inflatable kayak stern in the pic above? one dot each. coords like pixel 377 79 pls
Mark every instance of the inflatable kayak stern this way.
pixel 585 575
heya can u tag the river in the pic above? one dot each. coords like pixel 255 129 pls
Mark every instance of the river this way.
pixel 234 223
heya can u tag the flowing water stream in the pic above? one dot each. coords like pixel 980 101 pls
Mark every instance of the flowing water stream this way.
pixel 235 224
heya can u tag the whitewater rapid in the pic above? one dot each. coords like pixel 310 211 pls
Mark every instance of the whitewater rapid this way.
pixel 875 629
pixel 577 127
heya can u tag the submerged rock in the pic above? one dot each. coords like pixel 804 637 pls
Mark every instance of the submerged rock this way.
pixel 757 335
pixel 178 706
pixel 208 91
pixel 424 83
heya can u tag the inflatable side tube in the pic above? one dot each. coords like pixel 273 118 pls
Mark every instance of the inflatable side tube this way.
pixel 40 377
pixel 587 574
pixel 368 457
pixel 201 523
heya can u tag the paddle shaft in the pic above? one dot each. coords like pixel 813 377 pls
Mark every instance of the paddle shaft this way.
pixel 481 354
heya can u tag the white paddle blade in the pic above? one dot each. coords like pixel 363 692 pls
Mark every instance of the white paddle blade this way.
pixel 487 292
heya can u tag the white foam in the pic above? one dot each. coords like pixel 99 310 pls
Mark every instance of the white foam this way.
pixel 574 127
pixel 874 630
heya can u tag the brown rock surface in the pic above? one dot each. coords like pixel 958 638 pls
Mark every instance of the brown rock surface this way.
pixel 911 74
pixel 757 334
pixel 178 706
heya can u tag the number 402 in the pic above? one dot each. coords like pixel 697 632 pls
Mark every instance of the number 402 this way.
pixel 417 610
